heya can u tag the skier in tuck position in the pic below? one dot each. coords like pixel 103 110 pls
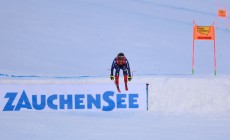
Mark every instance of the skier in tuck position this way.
pixel 120 62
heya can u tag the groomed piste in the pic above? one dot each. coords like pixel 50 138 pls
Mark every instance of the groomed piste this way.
pixel 73 42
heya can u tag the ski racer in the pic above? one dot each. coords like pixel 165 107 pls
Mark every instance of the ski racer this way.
pixel 121 62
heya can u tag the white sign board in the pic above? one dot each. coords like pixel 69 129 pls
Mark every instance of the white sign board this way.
pixel 74 97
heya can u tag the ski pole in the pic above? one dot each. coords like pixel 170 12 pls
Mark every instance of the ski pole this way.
pixel 147 96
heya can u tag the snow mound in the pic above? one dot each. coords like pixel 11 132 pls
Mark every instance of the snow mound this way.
pixel 173 94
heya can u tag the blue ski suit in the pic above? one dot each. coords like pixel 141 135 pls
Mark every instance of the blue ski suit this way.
pixel 121 64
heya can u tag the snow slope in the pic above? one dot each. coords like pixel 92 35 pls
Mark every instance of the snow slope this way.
pixel 53 37
pixel 180 107
pixel 75 41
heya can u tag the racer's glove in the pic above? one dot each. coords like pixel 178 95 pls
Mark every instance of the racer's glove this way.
pixel 129 78
pixel 111 77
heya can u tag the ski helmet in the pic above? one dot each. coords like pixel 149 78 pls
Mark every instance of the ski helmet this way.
pixel 121 54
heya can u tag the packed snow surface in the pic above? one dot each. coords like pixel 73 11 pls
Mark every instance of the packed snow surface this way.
pixel 75 41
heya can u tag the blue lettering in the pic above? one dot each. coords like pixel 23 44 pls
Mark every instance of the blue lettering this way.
pixel 35 104
pixel 91 101
pixel 133 100
pixel 110 102
pixel 121 100
pixel 78 101
pixel 50 102
pixel 9 105
pixel 106 102
pixel 68 102
pixel 23 102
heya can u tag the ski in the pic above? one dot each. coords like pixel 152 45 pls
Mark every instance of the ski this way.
pixel 118 88
pixel 117 83
pixel 126 87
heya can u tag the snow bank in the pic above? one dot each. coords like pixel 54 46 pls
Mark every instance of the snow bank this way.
pixel 182 94
pixel 192 95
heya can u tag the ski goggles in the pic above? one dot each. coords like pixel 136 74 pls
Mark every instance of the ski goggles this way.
pixel 121 57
